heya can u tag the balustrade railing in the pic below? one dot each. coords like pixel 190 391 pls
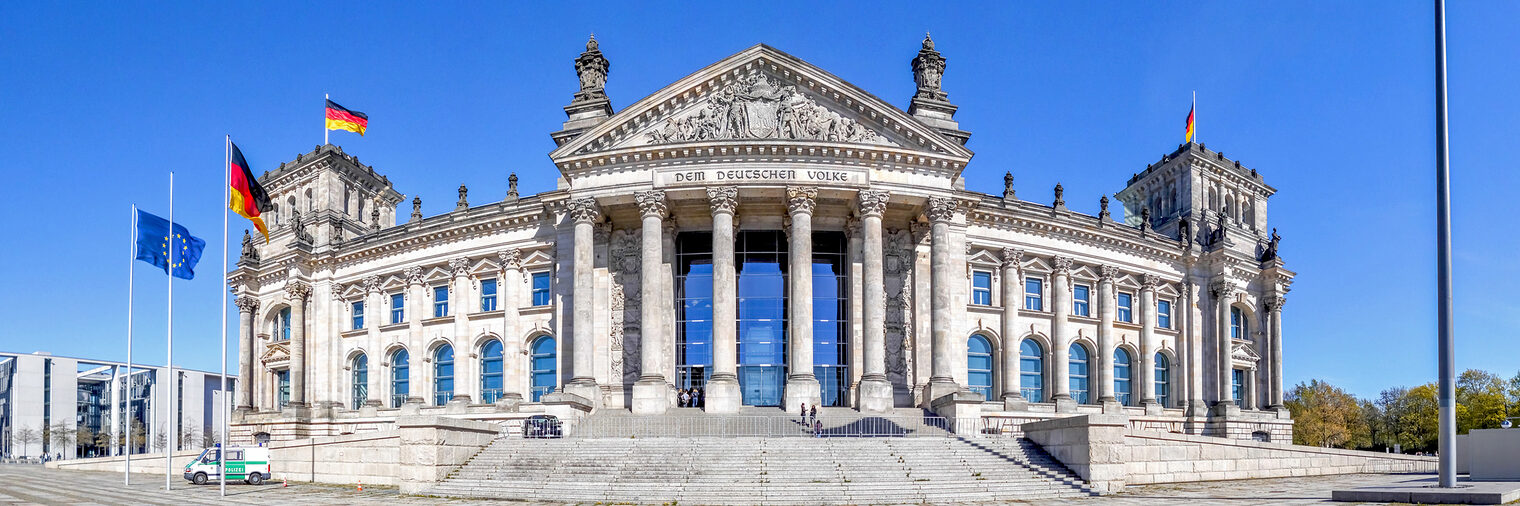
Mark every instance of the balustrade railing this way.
pixel 776 426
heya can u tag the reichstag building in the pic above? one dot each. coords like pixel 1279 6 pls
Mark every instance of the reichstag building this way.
pixel 766 234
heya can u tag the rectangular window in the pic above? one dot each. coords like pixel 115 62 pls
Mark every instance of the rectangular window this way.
pixel 1033 294
pixel 981 288
pixel 541 288
pixel 488 295
pixel 1237 378
pixel 358 315
pixel 282 393
pixel 398 308
pixel 1126 308
pixel 1079 300
pixel 1164 314
pixel 440 301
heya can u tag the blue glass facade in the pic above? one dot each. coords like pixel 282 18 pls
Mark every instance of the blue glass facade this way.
pixel 762 264
pixel 694 305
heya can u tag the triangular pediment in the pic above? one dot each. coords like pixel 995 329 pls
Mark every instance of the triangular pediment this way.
pixel 761 96
pixel 277 353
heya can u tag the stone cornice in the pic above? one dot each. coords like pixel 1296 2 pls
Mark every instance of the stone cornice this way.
pixel 1037 219
pixel 832 154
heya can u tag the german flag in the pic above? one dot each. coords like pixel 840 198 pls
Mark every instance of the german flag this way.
pixel 248 197
pixel 339 118
pixel 1189 136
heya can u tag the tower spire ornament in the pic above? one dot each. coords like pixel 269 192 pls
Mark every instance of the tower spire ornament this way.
pixel 592 69
pixel 590 105
pixel 930 104
pixel 928 68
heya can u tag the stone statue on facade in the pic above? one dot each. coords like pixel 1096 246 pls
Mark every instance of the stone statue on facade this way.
pixel 1060 197
pixel 416 208
pixel 928 68
pixel 512 186
pixel 463 202
pixel 249 251
pixel 1270 253
pixel 1008 186
pixel 592 68
pixel 1103 215
pixel 374 216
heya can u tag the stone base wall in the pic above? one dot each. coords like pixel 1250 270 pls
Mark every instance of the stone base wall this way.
pixel 1245 425
pixel 368 458
pixel 1156 457
pixel 144 463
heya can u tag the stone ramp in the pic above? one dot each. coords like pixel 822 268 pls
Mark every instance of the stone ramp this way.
pixel 751 470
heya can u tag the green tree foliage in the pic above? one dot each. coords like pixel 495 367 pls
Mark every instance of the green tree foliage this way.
pixel 1481 400
pixel 1327 416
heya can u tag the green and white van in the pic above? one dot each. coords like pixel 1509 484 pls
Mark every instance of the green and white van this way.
pixel 250 464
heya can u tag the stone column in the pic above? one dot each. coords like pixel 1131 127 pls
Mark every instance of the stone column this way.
pixel 1274 356
pixel 1013 281
pixel 1148 348
pixel 247 307
pixel 1060 334
pixel 295 293
pixel 942 284
pixel 466 378
pixel 801 384
pixel 875 389
pixel 1222 294
pixel 375 315
pixel 651 393
pixel 512 374
pixel 585 213
pixel 1105 353
pixel 722 392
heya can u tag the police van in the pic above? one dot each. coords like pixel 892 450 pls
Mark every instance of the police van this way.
pixel 250 464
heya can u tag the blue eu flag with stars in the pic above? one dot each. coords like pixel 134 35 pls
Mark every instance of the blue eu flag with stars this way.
pixel 154 245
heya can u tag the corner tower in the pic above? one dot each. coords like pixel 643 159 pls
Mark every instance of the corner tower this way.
pixel 1201 195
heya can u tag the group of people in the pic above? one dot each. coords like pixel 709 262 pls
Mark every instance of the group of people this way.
pixel 690 397
pixel 810 419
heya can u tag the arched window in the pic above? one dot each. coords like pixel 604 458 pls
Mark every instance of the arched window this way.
pixel 1163 380
pixel 400 378
pixel 1032 371
pixel 1237 324
pixel 543 367
pixel 1122 388
pixel 979 365
pixel 284 324
pixel 490 372
pixel 1078 373
pixel 361 380
pixel 443 375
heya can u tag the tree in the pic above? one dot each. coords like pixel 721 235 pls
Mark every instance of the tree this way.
pixel 1326 416
pixel 189 435
pixel 85 436
pixel 105 440
pixel 25 436
pixel 1512 392
pixel 1407 418
pixel 210 438
pixel 1481 402
pixel 161 439
pixel 138 438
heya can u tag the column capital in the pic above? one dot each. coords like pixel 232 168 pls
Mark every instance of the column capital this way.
pixel 873 202
pixel 459 266
pixel 372 284
pixel 413 275
pixel 651 203
pixel 297 290
pixel 1150 282
pixel 247 304
pixel 584 210
pixel 801 199
pixel 336 290
pixel 1012 257
pixel 1107 273
pixel 1275 304
pixel 510 259
pixel 723 199
pixel 1222 289
pixel 941 209
pixel 1061 265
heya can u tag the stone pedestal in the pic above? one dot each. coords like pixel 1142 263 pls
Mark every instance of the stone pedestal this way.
pixel 1225 409
pixel 962 409
pixel 1065 404
pixel 1112 407
pixel 585 390
pixel 940 387
pixel 722 395
pixel 1152 407
pixel 651 396
pixel 875 395
pixel 802 389
pixel 1015 403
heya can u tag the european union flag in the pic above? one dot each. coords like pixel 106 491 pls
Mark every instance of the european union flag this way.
pixel 154 243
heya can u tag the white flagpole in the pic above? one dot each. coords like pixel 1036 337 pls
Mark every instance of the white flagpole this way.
pixel 325 131
pixel 126 474
pixel 1195 116
pixel 172 441
pixel 221 465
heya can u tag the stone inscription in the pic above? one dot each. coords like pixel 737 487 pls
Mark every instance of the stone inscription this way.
pixel 760 176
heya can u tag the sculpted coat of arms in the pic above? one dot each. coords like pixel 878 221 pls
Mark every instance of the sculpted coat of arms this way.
pixel 754 107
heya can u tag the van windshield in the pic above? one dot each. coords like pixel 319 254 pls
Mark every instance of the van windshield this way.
pixel 210 455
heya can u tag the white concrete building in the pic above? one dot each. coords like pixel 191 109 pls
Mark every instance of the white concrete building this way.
pixel 75 407
pixel 771 235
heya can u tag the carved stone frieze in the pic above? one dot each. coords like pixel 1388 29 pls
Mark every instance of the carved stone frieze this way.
pixel 757 107
pixel 624 264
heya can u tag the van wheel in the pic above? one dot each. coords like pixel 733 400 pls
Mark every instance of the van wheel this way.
pixel 200 478
pixel 255 479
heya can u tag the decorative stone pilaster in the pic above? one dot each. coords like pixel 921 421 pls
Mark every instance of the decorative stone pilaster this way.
pixel 801 384
pixel 1224 401
pixel 296 293
pixel 1013 398
pixel 723 395
pixel 941 211
pixel 1274 354
pixel 374 316
pixel 1105 354
pixel 512 372
pixel 464 349
pixel 1148 344
pixel 651 393
pixel 247 307
pixel 1060 334
pixel 585 213
pixel 875 389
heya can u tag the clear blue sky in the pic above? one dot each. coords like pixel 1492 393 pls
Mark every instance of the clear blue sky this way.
pixel 1331 101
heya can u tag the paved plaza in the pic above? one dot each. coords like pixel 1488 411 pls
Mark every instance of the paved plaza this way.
pixel 35 485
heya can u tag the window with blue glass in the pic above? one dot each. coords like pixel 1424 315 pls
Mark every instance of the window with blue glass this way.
pixel 1237 324
pixel 443 375
pixel 440 301
pixel 761 259
pixel 542 373
pixel 981 288
pixel 282 394
pixel 1032 371
pixel 490 372
pixel 284 323
pixel 400 377
pixel 541 288
pixel 1079 300
pixel 979 365
pixel 1126 308
pixel 831 285
pixel 1034 294
pixel 488 294
pixel 1164 314
pixel 1077 371
pixel 694 306
pixel 360 380
pixel 358 315
pixel 398 308
pixel 1237 378
pixel 1122 389
pixel 1163 380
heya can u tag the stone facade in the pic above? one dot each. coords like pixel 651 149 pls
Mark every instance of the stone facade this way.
pixel 567 300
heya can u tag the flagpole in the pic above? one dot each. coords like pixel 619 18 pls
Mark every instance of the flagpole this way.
pixel 1446 342
pixel 221 465
pixel 1195 116
pixel 171 442
pixel 126 474
pixel 325 131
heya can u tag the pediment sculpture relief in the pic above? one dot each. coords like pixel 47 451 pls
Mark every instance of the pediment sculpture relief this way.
pixel 755 107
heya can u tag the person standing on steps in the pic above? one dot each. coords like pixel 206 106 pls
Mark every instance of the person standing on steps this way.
pixel 685 398
pixel 814 414
pixel 817 425
pixel 803 411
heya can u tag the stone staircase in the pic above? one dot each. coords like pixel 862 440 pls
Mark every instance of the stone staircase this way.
pixel 925 468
